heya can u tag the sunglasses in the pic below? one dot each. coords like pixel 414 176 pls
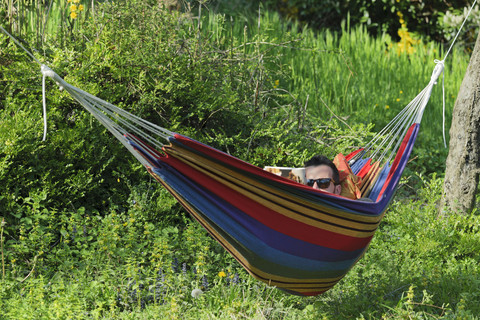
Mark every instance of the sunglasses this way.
pixel 322 183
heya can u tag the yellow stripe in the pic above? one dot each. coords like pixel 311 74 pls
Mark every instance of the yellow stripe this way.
pixel 228 174
pixel 370 179
pixel 275 202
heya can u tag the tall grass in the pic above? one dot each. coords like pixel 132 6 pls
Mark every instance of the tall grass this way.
pixel 37 19
pixel 352 75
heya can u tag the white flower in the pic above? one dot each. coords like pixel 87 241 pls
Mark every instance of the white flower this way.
pixel 196 293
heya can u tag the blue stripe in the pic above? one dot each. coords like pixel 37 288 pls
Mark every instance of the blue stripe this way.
pixel 358 165
pixel 239 226
pixel 380 182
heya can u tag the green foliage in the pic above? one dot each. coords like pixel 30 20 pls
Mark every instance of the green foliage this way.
pixel 88 235
pixel 350 75
pixel 71 168
pixel 38 20
pixel 452 19
pixel 128 263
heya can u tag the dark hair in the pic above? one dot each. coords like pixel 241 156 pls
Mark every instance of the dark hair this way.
pixel 320 160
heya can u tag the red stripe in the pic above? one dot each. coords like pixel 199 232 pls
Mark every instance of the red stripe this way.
pixel 269 217
pixel 353 154
pixel 245 166
pixel 365 169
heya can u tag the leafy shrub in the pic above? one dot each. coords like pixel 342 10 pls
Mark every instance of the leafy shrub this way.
pixel 450 22
pixel 129 263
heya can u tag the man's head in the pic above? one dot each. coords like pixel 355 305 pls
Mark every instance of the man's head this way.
pixel 321 173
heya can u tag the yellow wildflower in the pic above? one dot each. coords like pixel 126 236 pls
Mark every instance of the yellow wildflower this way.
pixel 401 91
pixel 76 1
pixel 277 82
pixel 387 107
pixel 222 274
pixel 73 8
pixel 81 7
pixel 73 15
pixel 406 43
pixel 398 99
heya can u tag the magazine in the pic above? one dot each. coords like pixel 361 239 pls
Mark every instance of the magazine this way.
pixel 295 174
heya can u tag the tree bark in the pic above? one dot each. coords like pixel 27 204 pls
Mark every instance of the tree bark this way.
pixel 463 161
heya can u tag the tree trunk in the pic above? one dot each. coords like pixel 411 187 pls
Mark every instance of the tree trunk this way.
pixel 463 161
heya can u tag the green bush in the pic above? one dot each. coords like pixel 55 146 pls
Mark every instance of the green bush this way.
pixel 128 263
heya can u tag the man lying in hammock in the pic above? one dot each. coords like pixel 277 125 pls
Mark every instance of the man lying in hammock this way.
pixel 333 176
pixel 321 173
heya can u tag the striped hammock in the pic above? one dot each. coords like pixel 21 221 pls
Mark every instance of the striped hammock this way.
pixel 286 234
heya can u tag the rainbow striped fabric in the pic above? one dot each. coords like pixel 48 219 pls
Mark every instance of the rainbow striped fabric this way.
pixel 285 234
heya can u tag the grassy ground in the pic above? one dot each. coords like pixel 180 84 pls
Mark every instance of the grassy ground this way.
pixel 121 266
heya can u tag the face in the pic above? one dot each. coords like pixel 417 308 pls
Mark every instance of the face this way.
pixel 320 172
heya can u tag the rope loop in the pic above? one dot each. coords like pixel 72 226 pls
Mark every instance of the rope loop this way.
pixel 439 67
pixel 46 71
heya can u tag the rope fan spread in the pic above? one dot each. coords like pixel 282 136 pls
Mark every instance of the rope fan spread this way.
pixel 286 234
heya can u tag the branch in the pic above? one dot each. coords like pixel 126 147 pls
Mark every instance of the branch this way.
pixel 341 120
pixel 33 269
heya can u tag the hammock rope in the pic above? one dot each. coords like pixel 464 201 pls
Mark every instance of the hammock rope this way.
pixel 443 79
pixel 118 121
